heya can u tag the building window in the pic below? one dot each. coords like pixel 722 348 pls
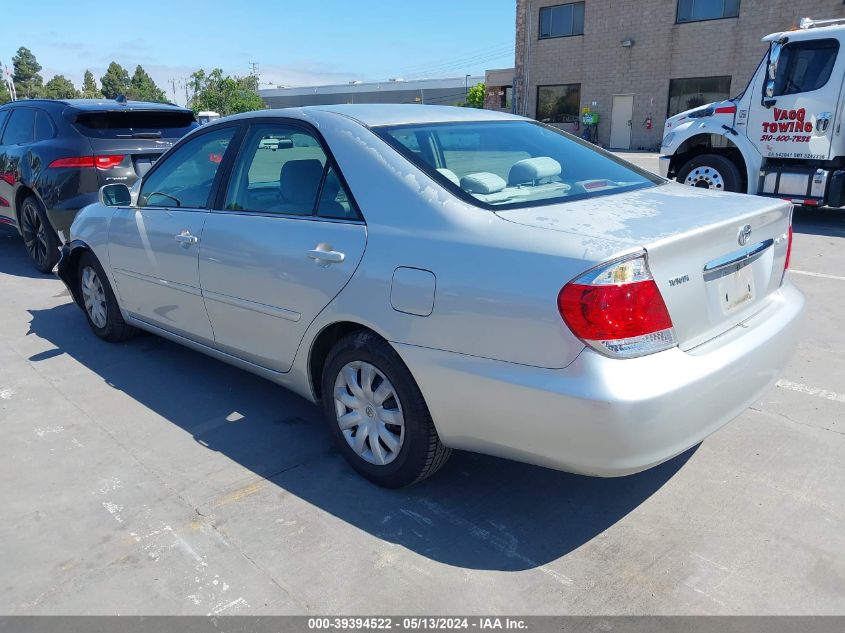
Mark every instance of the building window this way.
pixel 686 94
pixel 558 104
pixel 562 20
pixel 698 10
pixel 505 98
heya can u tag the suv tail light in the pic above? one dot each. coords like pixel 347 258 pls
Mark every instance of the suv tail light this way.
pixel 618 310
pixel 100 162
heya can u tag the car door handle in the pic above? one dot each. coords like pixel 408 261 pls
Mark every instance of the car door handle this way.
pixel 329 257
pixel 186 239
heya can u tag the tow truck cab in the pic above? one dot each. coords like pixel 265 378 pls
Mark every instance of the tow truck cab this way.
pixel 782 137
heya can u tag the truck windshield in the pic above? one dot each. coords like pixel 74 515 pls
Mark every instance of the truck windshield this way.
pixel 506 164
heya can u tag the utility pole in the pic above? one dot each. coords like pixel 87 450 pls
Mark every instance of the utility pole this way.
pixel 187 99
pixel 253 68
pixel 173 88
pixel 466 87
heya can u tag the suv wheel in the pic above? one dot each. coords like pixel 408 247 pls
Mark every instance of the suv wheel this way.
pixel 40 240
pixel 377 415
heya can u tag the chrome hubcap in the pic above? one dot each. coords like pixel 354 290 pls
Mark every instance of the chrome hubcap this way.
pixel 705 177
pixel 94 297
pixel 369 413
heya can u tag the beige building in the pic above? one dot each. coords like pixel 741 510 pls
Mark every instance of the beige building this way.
pixel 635 61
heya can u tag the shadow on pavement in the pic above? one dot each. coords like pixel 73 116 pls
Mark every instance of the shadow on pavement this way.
pixel 478 512
pixel 13 257
pixel 826 222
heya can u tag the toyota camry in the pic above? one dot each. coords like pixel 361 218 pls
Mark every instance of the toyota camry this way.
pixel 448 278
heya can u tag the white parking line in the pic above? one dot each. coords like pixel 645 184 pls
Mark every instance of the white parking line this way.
pixel 811 391
pixel 822 275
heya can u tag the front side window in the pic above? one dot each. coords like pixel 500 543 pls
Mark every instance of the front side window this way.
pixel 21 127
pixel 562 20
pixel 4 114
pixel 694 92
pixel 805 66
pixel 558 104
pixel 185 177
pixel 282 169
pixel 698 10
pixel 507 164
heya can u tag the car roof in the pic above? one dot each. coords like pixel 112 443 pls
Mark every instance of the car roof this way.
pixel 99 105
pixel 373 115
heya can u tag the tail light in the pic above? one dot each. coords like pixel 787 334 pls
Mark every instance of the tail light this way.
pixel 788 249
pixel 618 310
pixel 100 162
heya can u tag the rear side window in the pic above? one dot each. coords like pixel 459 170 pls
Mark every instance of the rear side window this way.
pixel 805 66
pixel 135 124
pixel 21 127
pixel 43 126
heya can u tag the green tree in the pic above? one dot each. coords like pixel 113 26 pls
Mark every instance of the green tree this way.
pixel 60 87
pixel 89 87
pixel 115 82
pixel 28 83
pixel 5 97
pixel 475 96
pixel 224 94
pixel 143 88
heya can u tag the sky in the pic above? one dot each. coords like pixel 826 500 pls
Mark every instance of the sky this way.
pixel 295 43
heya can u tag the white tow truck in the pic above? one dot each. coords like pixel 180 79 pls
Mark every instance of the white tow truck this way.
pixel 783 136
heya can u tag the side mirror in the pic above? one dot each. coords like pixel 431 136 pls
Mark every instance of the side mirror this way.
pixel 116 195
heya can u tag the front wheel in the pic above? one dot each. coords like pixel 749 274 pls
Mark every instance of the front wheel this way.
pixel 377 415
pixel 99 302
pixel 711 171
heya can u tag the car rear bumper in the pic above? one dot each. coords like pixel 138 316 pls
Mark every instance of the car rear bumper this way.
pixel 61 216
pixel 602 416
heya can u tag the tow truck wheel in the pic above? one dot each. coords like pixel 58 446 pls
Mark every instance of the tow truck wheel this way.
pixel 711 171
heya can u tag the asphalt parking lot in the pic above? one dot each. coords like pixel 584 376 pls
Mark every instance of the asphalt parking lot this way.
pixel 144 478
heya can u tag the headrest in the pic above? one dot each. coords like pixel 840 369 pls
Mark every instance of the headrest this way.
pixel 533 169
pixel 299 180
pixel 482 182
pixel 450 175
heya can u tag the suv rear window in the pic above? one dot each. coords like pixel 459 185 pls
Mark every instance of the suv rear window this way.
pixel 135 124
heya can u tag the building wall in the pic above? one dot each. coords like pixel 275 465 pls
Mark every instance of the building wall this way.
pixel 496 83
pixel 662 50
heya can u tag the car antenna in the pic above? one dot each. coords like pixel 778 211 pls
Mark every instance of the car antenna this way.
pixel 121 99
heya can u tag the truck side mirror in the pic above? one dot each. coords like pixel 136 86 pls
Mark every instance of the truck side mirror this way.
pixel 115 195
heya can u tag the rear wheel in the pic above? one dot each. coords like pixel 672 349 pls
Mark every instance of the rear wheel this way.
pixel 39 238
pixel 377 415
pixel 711 171
pixel 99 302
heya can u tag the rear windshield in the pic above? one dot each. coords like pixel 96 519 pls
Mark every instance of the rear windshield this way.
pixel 135 124
pixel 508 164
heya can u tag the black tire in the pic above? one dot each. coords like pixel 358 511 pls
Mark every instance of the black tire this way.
pixel 39 238
pixel 114 329
pixel 421 453
pixel 698 166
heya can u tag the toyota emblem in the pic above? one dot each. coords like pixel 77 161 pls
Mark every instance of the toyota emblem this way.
pixel 744 235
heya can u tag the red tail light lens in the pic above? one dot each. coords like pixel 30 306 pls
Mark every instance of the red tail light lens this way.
pixel 788 249
pixel 618 310
pixel 107 162
pixel 76 161
pixel 100 162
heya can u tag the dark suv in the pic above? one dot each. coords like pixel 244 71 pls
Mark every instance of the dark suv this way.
pixel 55 155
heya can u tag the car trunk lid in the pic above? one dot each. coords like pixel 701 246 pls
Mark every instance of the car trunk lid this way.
pixel 717 258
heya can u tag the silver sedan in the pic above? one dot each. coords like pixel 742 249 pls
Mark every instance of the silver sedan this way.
pixel 449 278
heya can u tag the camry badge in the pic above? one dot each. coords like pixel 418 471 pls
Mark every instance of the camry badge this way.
pixel 744 235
